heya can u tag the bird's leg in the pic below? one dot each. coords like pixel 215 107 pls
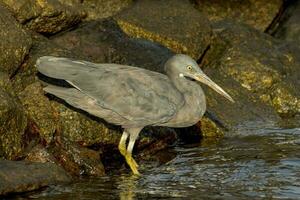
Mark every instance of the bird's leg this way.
pixel 122 143
pixel 130 161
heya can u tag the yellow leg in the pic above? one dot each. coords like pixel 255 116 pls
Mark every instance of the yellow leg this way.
pixel 132 164
pixel 122 143
pixel 127 153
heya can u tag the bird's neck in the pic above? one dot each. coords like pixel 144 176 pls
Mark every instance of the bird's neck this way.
pixel 182 84
pixel 194 106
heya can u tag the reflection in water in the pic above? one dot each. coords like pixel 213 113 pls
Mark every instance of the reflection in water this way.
pixel 127 187
pixel 266 166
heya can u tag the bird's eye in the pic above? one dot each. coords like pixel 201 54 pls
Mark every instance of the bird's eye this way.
pixel 189 67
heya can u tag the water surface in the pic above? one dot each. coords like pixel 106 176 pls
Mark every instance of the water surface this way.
pixel 257 166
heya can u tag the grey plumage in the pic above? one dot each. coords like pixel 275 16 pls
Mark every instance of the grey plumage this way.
pixel 132 97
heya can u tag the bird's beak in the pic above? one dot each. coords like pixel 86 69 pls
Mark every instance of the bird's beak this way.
pixel 201 77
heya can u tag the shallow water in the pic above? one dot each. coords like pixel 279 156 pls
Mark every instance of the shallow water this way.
pixel 258 166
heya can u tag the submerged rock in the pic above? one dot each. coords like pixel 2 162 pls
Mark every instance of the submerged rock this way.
pixel 15 42
pixel 24 176
pixel 45 16
pixel 175 24
pixel 256 13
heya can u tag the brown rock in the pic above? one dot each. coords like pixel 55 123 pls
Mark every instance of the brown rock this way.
pixel 39 109
pixel 99 9
pixel 77 160
pixel 175 24
pixel 14 42
pixel 24 176
pixel 289 25
pixel 13 122
pixel 256 13
pixel 259 71
pixel 45 16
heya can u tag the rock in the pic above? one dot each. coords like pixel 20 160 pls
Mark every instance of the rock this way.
pixel 45 16
pixel 13 122
pixel 104 42
pixel 14 42
pixel 40 111
pixel 50 116
pixel 27 72
pixel 256 13
pixel 24 176
pixel 80 127
pixel 75 159
pixel 153 140
pixel 259 71
pixel 289 27
pixel 40 154
pixel 175 24
pixel 99 9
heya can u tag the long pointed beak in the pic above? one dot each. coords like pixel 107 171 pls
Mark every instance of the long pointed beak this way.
pixel 201 77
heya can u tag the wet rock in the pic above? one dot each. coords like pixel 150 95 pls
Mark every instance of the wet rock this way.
pixel 256 13
pixel 173 23
pixel 13 121
pixel 289 27
pixel 153 140
pixel 75 159
pixel 23 176
pixel 99 9
pixel 209 128
pixel 40 154
pixel 45 16
pixel 259 71
pixel 14 42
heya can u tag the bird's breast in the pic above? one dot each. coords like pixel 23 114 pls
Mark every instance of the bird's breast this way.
pixel 192 110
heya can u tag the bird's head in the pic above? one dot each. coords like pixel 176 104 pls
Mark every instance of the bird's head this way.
pixel 183 66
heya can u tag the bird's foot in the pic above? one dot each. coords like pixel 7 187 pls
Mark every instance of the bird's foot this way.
pixel 132 164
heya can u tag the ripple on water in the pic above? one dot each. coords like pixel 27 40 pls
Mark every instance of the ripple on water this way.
pixel 264 165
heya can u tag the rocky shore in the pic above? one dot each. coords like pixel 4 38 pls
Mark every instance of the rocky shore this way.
pixel 250 48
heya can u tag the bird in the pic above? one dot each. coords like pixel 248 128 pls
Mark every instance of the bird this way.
pixel 132 97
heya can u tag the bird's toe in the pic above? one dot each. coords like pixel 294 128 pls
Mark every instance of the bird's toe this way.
pixel 132 164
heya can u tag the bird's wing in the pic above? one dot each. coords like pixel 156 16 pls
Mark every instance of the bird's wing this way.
pixel 142 97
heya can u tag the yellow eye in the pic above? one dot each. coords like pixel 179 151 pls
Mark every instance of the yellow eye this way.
pixel 189 67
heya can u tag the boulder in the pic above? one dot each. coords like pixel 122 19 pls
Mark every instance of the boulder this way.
pixel 257 13
pixel 13 121
pixel 99 9
pixel 175 24
pixel 104 42
pixel 72 157
pixel 15 43
pixel 24 176
pixel 45 16
pixel 259 71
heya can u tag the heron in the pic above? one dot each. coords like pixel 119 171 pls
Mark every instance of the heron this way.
pixel 132 97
